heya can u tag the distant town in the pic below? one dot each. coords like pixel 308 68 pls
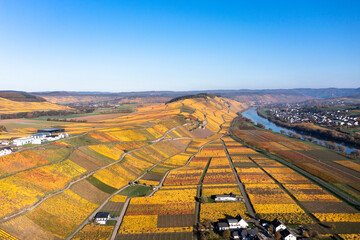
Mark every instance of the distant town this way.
pixel 302 115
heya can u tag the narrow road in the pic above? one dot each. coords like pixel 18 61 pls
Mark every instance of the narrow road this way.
pixel 119 221
pixel 92 215
pixel 61 190
pixel 120 218
pixel 118 224
pixel 118 191
pixel 241 186
pixel 246 198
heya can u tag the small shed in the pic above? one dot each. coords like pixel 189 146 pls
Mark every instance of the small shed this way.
pixel 226 198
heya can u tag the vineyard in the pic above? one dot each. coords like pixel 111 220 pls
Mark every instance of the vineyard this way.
pixel 157 170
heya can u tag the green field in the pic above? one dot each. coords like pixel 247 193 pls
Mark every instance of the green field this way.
pixel 136 191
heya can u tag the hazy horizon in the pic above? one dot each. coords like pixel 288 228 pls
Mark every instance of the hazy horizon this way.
pixel 199 90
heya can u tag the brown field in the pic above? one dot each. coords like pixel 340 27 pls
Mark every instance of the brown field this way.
pixel 88 191
pixel 113 207
pixel 156 236
pixel 181 220
pixel 323 155
pixel 328 207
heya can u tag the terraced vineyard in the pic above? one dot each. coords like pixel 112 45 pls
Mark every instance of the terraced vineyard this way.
pixel 155 171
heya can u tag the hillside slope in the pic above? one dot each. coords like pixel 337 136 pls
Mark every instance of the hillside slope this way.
pixel 10 107
pixel 101 161
pixel 20 96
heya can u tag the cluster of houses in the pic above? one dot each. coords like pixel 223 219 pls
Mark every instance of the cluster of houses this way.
pixel 239 229
pixel 296 115
pixel 42 136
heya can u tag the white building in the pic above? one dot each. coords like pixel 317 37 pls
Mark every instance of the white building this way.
pixel 39 138
pixel 278 225
pixel 22 141
pixel 37 141
pixel 286 235
pixel 102 217
pixel 233 224
pixel 4 142
pixel 5 151
pixel 40 135
pixel 237 223
pixel 226 198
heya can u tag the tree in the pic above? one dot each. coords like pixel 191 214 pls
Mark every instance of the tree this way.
pixel 201 227
pixel 204 199
pixel 212 235
pixel 260 125
pixel 203 236
pixel 283 132
pixel 314 234
pixel 341 148
pixel 277 235
pixel 226 234
pixel 356 153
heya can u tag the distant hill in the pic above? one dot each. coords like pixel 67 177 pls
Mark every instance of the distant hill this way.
pixel 20 96
pixel 326 93
pixel 15 104
pixel 248 96
pixel 200 95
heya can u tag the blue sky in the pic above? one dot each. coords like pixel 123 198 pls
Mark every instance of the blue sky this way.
pixel 178 45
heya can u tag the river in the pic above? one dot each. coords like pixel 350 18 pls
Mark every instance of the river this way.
pixel 252 114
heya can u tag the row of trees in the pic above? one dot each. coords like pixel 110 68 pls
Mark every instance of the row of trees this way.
pixel 65 120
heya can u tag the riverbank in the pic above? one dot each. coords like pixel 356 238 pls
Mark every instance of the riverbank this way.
pixel 254 115
pixel 315 131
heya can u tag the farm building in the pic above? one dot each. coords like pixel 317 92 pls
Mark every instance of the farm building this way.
pixel 40 135
pixel 232 224
pixel 5 151
pixel 4 142
pixel 39 138
pixel 226 197
pixel 22 141
pixel 278 225
pixel 51 130
pixel 102 217
pixel 286 235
